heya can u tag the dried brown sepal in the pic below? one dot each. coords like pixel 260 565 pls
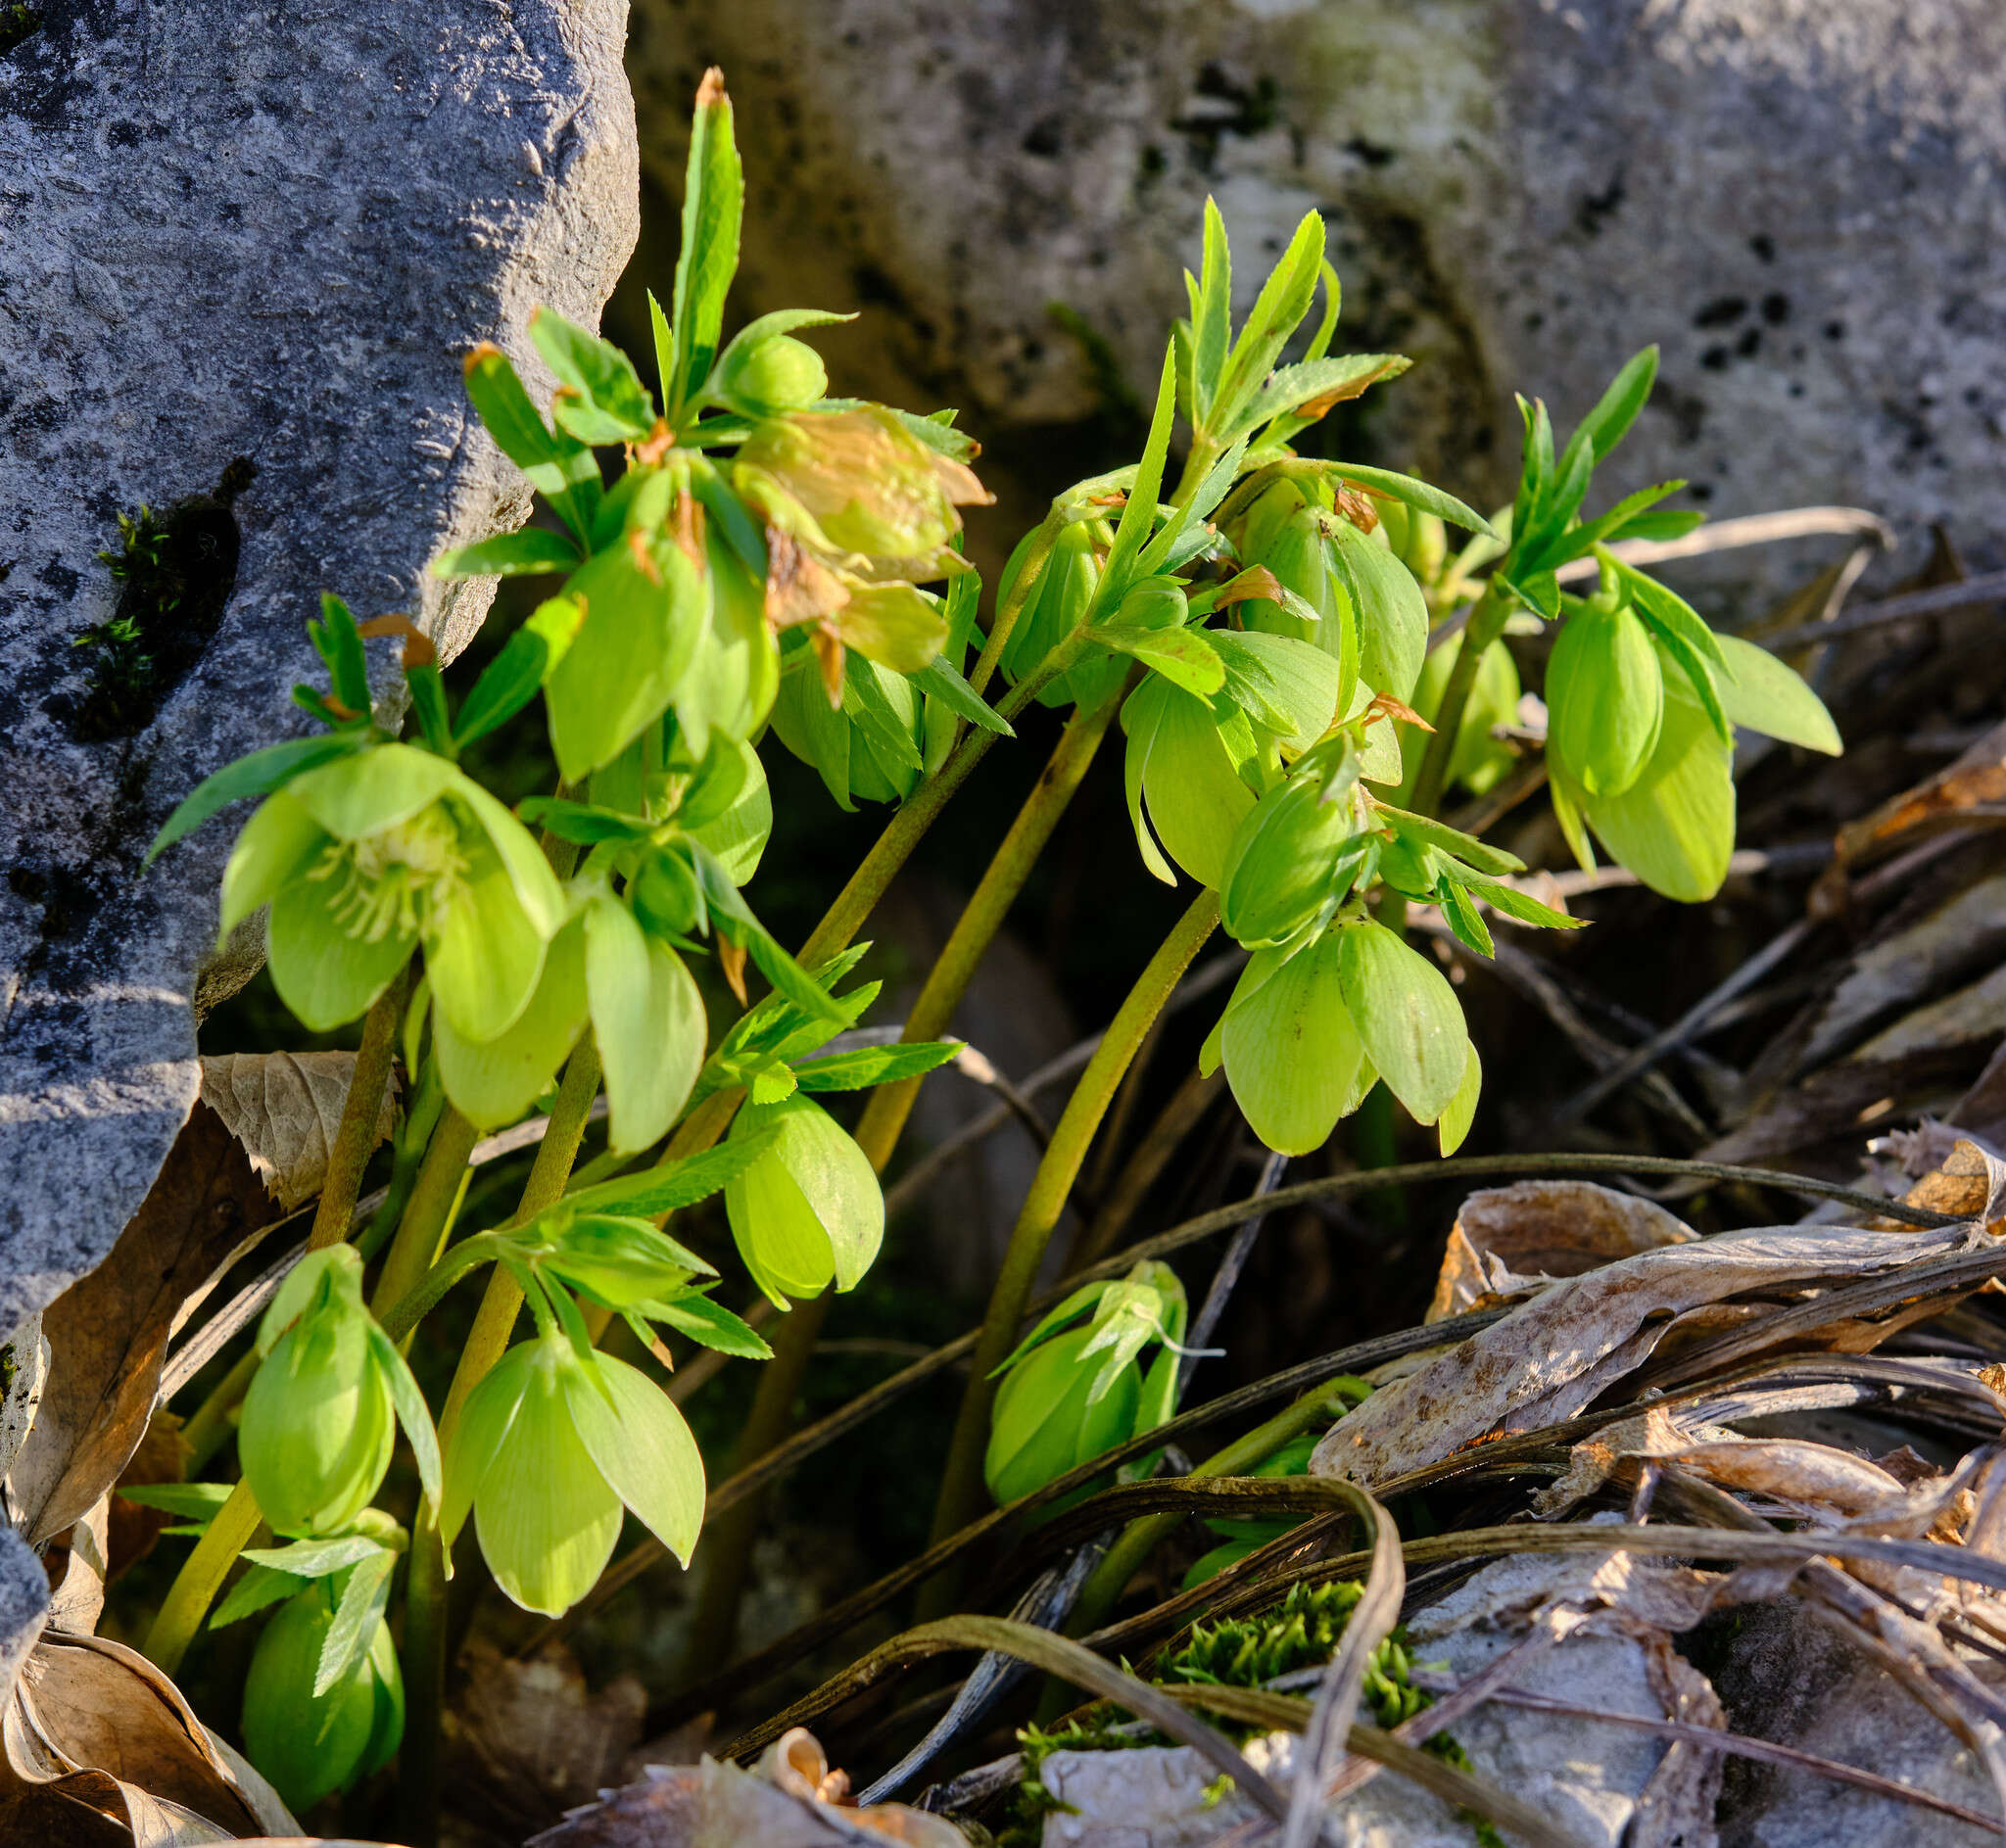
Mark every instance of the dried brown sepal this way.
pixel 1257 581
pixel 799 587
pixel 654 447
pixel 827 646
pixel 685 528
pixel 418 651
pixel 643 556
pixel 1386 706
pixel 1355 505
pixel 710 93
pixel 731 959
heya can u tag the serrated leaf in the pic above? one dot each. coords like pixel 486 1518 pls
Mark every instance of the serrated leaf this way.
pixel 1310 389
pixel 363 1600
pixel 1184 658
pixel 713 205
pixel 259 774
pixel 523 554
pixel 253 1592
pixel 1416 493
pixel 710 1325
pixel 874 1064
pixel 316 1558
pixel 939 680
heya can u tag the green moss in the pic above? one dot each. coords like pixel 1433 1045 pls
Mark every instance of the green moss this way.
pixel 18 22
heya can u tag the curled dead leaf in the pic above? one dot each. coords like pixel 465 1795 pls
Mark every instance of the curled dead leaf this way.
pixel 285 1109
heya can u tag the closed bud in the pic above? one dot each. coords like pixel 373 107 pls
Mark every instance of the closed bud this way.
pixel 806 1211
pixel 1604 699
pixel 1044 1424
pixel 1282 865
pixel 1296 554
pixel 309 1745
pixel 770 376
pixel 1054 609
pixel 321 1414
pixel 1154 603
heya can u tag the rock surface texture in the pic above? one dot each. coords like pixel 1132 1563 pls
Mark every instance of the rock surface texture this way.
pixel 1802 202
pixel 235 233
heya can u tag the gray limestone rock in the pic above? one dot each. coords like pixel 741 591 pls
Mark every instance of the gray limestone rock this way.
pixel 236 232
pixel 1802 203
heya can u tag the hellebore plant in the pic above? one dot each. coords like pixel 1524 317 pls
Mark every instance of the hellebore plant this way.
pixel 736 553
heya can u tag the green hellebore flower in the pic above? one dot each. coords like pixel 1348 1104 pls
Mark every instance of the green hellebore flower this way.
pixel 1282 866
pixel 364 858
pixel 865 482
pixel 733 673
pixel 320 1417
pixel 1406 1015
pixel 1605 698
pixel 871 752
pixel 550 1447
pixel 309 1745
pixel 807 1210
pixel 1179 763
pixel 1293 1057
pixel 1070 1393
pixel 771 376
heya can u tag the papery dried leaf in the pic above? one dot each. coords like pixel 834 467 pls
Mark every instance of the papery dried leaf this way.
pixel 108 1332
pixel 285 1109
pixel 1509 1241
pixel 76 1599
pixel 86 1708
pixel 1545 1361
pixel 24 1369
pixel 161 1457
pixel 525 1740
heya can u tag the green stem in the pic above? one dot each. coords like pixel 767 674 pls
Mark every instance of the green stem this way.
pixel 885 1115
pixel 202 1575
pixel 425 1613
pixel 1486 624
pixel 1140 1538
pixel 209 1430
pixel 961 1485
pixel 426 1213
pixel 354 1139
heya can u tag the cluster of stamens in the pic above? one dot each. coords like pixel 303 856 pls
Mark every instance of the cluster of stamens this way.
pixel 391 879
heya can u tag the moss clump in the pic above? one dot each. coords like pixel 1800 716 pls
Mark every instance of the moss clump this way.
pixel 18 22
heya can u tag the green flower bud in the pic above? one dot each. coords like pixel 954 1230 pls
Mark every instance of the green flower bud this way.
pixel 1055 608
pixel 320 1417
pixel 1410 866
pixel 1296 554
pixel 807 1210
pixel 866 483
pixel 551 1445
pixel 310 1746
pixel 771 376
pixel 1604 699
pixel 1044 1421
pixel 1154 603
pixel 1282 866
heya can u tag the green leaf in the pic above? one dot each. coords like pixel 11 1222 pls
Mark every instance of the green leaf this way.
pixel 1466 847
pixel 940 681
pixel 1211 315
pixel 874 1064
pixel 1139 515
pixel 259 774
pixel 1185 657
pixel 523 554
pixel 1408 1015
pixel 1670 613
pixel 428 705
pixel 253 1592
pixel 412 1414
pixel 673 1185
pixel 611 404
pixel 885 729
pixel 316 1558
pixel 363 1600
pixel 1541 541
pixel 710 1325
pixel 1416 493
pixel 1464 918
pixel 1769 696
pixel 1616 410
pixel 1536 466
pixel 340 644
pixel 197 1501
pixel 713 205
pixel 559 467
pixel 1522 907
pixel 1316 386
pixel 737 918
pixel 1618 522
pixel 507 683
pixel 1278 311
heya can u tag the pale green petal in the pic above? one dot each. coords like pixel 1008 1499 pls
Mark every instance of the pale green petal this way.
pixel 1674 826
pixel 483 952
pixel 492 1082
pixel 1292 1054
pixel 536 888
pixel 1196 799
pixel 648 1020
pixel 546 1517
pixel 367 792
pixel 324 976
pixel 278 845
pixel 739 837
pixel 1769 696
pixel 1460 1110
pixel 1408 1015
pixel 485 1422
pixel 644 1449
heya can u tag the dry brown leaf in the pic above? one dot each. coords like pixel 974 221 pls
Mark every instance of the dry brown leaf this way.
pixel 1547 1360
pixel 793 1801
pixel 108 1332
pixel 527 1740
pixel 1509 1241
pixel 285 1109
pixel 93 1726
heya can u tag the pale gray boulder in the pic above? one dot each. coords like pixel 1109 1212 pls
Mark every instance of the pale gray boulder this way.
pixel 1803 203
pixel 236 232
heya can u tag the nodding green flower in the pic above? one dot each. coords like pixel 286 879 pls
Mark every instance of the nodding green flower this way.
pixel 1605 698
pixel 1069 1393
pixel 807 1210
pixel 771 376
pixel 323 1408
pixel 363 859
pixel 310 1746
pixel 872 748
pixel 1181 766
pixel 1313 1025
pixel 1284 864
pixel 551 1445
